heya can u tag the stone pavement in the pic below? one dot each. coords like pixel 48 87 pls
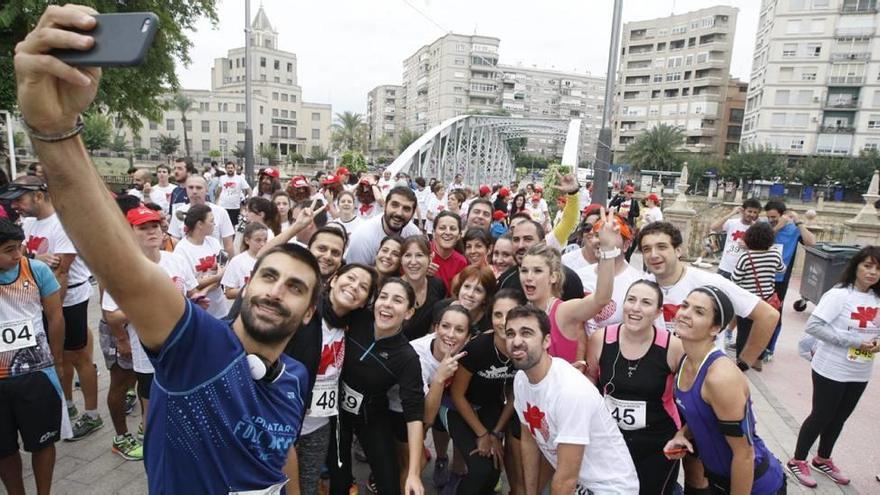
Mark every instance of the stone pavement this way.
pixel 781 397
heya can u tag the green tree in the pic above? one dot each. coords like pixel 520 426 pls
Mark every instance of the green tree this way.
pixel 349 132
pixel 698 167
pixel 854 173
pixel 318 154
pixel 97 131
pixel 818 170
pixel 168 145
pixel 119 144
pixel 215 154
pixel 550 181
pixel 268 152
pixel 183 104
pixel 656 149
pixel 755 163
pixel 406 138
pixel 131 93
pixel 295 158
pixel 238 152
pixel 354 161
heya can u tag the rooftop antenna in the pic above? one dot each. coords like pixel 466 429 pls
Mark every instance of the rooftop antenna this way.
pixel 673 7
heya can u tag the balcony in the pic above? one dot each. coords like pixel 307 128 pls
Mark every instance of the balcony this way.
pixel 841 104
pixel 858 7
pixel 843 56
pixel 854 31
pixel 846 80
pixel 276 120
pixel 837 129
pixel 702 131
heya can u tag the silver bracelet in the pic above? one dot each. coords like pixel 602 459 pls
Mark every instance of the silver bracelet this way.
pixel 54 138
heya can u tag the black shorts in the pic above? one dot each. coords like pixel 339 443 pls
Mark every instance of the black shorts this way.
pixel 76 326
pixel 30 405
pixel 144 382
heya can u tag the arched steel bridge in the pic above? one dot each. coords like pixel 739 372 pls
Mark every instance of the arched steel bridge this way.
pixel 476 146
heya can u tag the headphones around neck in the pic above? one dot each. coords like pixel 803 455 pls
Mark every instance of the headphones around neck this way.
pixel 262 370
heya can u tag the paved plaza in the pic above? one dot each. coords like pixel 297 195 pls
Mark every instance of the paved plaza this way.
pixel 781 396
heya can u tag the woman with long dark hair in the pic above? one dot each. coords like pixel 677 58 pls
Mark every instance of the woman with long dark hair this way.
pixel 846 323
pixel 282 202
pixel 447 234
pixel 517 205
pixel 712 395
pixel 265 212
pixel 388 257
pixel 414 262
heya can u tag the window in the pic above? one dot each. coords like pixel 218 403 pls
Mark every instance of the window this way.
pixel 262 61
pixel 188 125
pixel 675 76
pixel 284 97
pixel 153 126
pixel 675 62
pixel 239 127
pixel 292 114
pixel 702 57
pixel 659 63
pixel 458 101
pixel 223 128
pixel 817 25
pixel 658 78
pixel 808 73
pixel 274 112
pixel 793 26
pixel 804 96
pixel 459 74
pixel 316 116
pixel 277 65
pixel 459 61
pixel 275 131
pixel 293 98
pixel 284 131
pixel 204 106
pixel 206 145
pixel 786 73
pixel 813 49
pixel 284 114
pixel 874 121
pixel 206 126
pixel 154 144
pixel 871 146
pixel 876 101
pixel 789 49
pixel 275 96
pixel 689 60
pixel 289 67
pixel 316 133
pixel 782 97
pixel 169 124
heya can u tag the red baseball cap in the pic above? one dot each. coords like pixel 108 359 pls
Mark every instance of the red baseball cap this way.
pixel 499 215
pixel 593 209
pixel 539 189
pixel 653 197
pixel 142 215
pixel 342 171
pixel 298 182
pixel 331 179
pixel 271 172
pixel 504 192
pixel 484 190
pixel 628 189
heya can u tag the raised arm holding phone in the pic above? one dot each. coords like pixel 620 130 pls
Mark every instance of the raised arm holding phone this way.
pixel 249 396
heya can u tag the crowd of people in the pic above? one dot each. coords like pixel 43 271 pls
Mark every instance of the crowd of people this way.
pixel 278 334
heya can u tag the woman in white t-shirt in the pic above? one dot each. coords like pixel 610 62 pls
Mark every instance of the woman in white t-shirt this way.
pixel 652 212
pixel 285 213
pixel 347 216
pixel 846 322
pixel 202 252
pixel 238 271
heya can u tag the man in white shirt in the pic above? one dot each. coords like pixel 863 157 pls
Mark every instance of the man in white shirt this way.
pixel 735 228
pixel 161 192
pixel 457 183
pixel 586 255
pixel 400 206
pixel 231 190
pixel 141 182
pixel 563 417
pixel 196 190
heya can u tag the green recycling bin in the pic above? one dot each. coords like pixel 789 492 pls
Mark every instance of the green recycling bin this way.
pixel 823 265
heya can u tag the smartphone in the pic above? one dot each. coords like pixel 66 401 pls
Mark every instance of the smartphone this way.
pixel 121 40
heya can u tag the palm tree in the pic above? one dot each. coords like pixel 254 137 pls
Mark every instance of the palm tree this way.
pixel 183 104
pixel 656 149
pixel 349 131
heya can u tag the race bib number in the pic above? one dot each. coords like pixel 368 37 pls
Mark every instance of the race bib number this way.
pixel 324 399
pixel 16 335
pixel 629 414
pixel 351 399
pixel 859 356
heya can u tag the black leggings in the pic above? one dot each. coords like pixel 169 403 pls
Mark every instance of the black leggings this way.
pixel 657 474
pixel 833 402
pixel 376 436
pixel 482 476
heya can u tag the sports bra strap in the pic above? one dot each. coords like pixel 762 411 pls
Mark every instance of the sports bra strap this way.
pixel 611 334
pixel 661 337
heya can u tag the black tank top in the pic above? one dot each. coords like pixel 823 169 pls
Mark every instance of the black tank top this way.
pixel 639 392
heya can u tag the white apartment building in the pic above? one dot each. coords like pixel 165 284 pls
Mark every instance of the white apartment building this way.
pixel 542 93
pixel 385 118
pixel 675 70
pixel 282 121
pixel 815 81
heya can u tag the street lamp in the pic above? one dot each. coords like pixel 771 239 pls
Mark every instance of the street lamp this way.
pixel 603 151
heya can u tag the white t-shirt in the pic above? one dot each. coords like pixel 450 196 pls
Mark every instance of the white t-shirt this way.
pixel 161 195
pixel 539 212
pixel 435 206
pixel 429 363
pixel 654 214
pixel 575 260
pixel 733 246
pixel 325 394
pixel 136 193
pixel 744 302
pixel 238 271
pixel 350 225
pixel 612 313
pixel 851 312
pixel 47 236
pixel 222 225
pixel 183 278
pixel 203 261
pixel 364 242
pixel 366 212
pixel 422 196
pixel 232 190
pixel 566 408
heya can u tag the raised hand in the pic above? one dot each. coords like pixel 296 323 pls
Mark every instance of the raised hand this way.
pixel 52 94
pixel 448 367
pixel 568 183
pixel 307 215
pixel 610 230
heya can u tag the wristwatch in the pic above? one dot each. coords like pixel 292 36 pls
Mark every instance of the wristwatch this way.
pixel 742 365
pixel 609 255
pixel 497 434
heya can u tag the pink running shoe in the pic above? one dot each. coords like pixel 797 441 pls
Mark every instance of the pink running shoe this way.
pixel 828 468
pixel 801 472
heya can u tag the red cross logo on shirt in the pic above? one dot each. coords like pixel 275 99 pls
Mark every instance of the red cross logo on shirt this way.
pixel 737 235
pixel 36 244
pixel 206 264
pixel 669 311
pixel 228 185
pixel 332 354
pixel 864 315
pixel 536 420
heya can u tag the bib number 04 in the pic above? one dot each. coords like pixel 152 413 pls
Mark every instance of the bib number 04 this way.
pixel 16 335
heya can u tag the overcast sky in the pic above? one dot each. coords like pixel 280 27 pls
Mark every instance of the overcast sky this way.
pixel 345 48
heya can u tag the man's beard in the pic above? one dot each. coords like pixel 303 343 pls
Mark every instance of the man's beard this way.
pixel 528 363
pixel 263 332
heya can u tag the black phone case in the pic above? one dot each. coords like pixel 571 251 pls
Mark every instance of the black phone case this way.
pixel 120 41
